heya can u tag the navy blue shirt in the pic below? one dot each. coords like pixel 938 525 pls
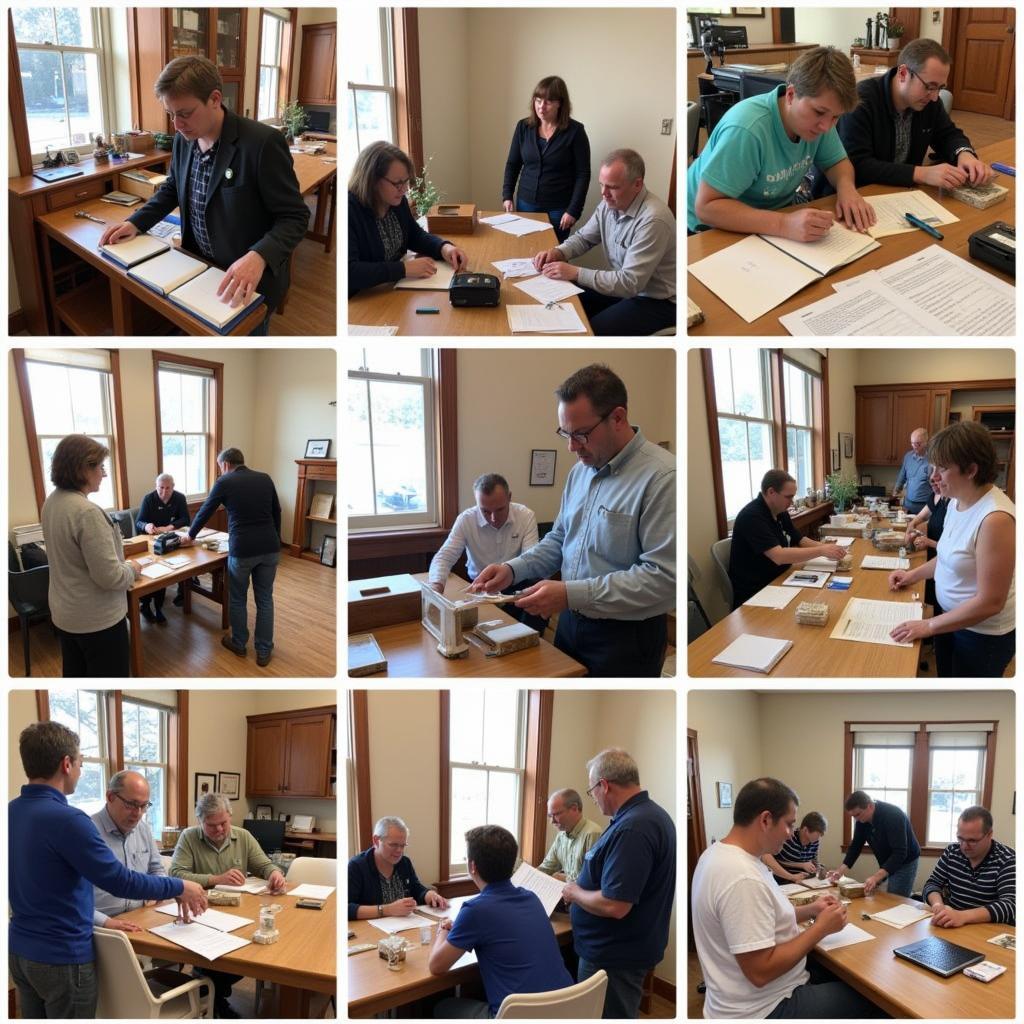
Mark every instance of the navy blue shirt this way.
pixel 55 857
pixel 633 861
pixel 514 942
pixel 254 513
pixel 891 837
pixel 364 882
pixel 153 510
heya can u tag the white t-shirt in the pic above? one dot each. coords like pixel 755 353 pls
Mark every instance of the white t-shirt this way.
pixel 956 567
pixel 736 907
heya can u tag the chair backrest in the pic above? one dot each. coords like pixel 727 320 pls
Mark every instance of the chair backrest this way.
pixel 696 625
pixel 584 1001
pixel 753 84
pixel 13 563
pixel 125 519
pixel 123 991
pixel 166 861
pixel 947 100
pixel 269 834
pixel 31 587
pixel 692 127
pixel 315 870
pixel 720 551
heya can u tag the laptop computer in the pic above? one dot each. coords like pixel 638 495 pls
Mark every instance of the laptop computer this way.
pixel 56 173
pixel 939 956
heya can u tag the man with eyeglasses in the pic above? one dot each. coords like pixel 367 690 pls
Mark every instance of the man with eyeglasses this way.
pixel 576 835
pixel 900 115
pixel 614 540
pixel 975 879
pixel 123 827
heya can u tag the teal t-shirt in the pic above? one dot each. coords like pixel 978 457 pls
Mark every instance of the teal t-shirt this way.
pixel 750 157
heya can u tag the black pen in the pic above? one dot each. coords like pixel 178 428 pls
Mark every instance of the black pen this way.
pixel 918 223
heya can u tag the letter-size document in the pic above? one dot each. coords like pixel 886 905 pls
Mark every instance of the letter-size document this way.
pixel 209 918
pixel 547 889
pixel 207 942
pixel 890 209
pixel 871 622
pixel 134 250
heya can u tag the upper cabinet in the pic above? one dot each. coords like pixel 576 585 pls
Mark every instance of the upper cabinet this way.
pixel 291 754
pixel 887 416
pixel 318 70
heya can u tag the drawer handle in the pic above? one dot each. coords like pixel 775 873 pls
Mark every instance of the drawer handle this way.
pixel 81 195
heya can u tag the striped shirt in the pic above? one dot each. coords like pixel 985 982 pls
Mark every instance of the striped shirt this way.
pixel 992 884
pixel 199 189
pixel 794 852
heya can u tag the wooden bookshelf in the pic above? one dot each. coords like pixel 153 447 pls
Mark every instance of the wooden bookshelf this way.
pixel 311 474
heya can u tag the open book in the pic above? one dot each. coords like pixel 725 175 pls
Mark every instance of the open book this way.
pixel 134 250
pixel 171 270
pixel 199 297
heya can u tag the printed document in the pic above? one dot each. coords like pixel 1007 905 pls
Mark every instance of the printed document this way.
pixel 884 562
pixel 209 918
pixel 847 937
pixel 310 891
pixel 207 942
pixel 533 319
pixel 890 208
pixel 517 226
pixel 545 289
pixel 398 924
pixel 546 888
pixel 515 267
pixel 438 282
pixel 770 597
pixel 902 915
pixel 839 247
pixel 871 622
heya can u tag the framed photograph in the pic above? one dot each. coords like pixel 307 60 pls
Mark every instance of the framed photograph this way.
pixel 318 448
pixel 542 467
pixel 954 417
pixel 206 782
pixel 835 460
pixel 321 505
pixel 329 550
pixel 866 480
pixel 847 445
pixel 264 812
pixel 748 12
pixel 724 794
pixel 281 816
pixel 229 783
pixel 303 822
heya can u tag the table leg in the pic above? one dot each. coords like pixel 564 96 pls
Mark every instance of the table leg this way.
pixel 135 634
pixel 292 1003
pixel 220 582
pixel 186 606
pixel 120 302
pixel 321 207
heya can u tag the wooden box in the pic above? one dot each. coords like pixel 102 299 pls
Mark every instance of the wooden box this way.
pixel 365 657
pixel 140 141
pixel 452 219
pixel 802 899
pixel 382 601
pixel 134 187
pixel 851 890
pixel 135 546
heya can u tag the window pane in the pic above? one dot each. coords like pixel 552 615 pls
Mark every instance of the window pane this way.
pixel 150 739
pixel 967 769
pixel 407 362
pixel 155 815
pixel 174 458
pixel 399 454
pixel 90 794
pixel 884 766
pixel 88 408
pixel 798 399
pixel 194 481
pixel 359 485
pixel 499 728
pixel 170 401
pixel 943 768
pixel 271 39
pixel 79 711
pixel 469 808
pixel 51 399
pixel 130 727
pixel 193 404
pixel 85 107
pixel 798 451
pixel 268 94
pixel 748 373
pixel 74 26
pixel 370 114
pixel 33 24
pixel 361 42
pixel 746 457
pixel 502 801
pixel 721 366
pixel 465 718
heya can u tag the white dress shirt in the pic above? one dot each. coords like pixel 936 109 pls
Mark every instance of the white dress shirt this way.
pixel 483 543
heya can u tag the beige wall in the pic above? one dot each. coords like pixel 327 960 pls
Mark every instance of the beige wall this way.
pixel 908 366
pixel 831 26
pixel 501 390
pixel 801 742
pixel 21 711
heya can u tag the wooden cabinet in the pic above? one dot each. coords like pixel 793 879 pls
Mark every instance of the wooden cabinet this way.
pixel 318 64
pixel 886 417
pixel 313 473
pixel 874 429
pixel 291 754
pixel 1000 420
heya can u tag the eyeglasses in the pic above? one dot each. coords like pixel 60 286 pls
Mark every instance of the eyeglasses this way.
pixel 963 841
pixel 590 791
pixel 182 115
pixel 932 87
pixel 401 183
pixel 581 436
pixel 134 804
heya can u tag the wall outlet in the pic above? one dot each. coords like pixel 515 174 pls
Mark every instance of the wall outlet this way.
pixel 666 126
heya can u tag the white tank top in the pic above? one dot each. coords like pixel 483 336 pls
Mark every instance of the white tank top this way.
pixel 956 568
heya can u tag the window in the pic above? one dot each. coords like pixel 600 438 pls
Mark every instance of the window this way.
pixel 486 752
pixel 391 438
pixel 144 731
pixel 956 772
pixel 368 52
pixel 185 427
pixel 799 425
pixel 882 765
pixel 61 63
pixel 84 712
pixel 268 86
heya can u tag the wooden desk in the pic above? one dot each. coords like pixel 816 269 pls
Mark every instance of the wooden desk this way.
pixel 757 53
pixel 312 844
pixel 412 651
pixel 200 561
pixel 720 319
pixel 903 989
pixel 814 653
pixel 372 988
pixel 314 174
pixel 385 305
pixel 303 959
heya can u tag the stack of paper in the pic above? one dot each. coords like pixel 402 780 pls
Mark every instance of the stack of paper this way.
pixel 770 597
pixel 437 282
pixel 871 622
pixel 902 915
pixel 884 562
pixel 753 653
pixel 821 563
pixel 560 319
pixel 134 250
pixel 546 289
pixel 309 891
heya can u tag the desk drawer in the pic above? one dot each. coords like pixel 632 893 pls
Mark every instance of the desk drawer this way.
pixel 79 193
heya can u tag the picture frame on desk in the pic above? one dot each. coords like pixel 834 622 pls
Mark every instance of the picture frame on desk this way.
pixel 318 448
pixel 229 783
pixel 206 782
pixel 329 550
pixel 264 812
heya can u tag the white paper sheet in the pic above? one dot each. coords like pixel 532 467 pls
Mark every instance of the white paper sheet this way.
pixel 155 571
pixel 820 579
pixel 499 218
pixel 177 561
pixel 843 542
pixel 209 918
pixel 816 883
pixel 308 890
pixel 884 562
pixel 534 319
pixel 515 267
pixel 547 888
pixel 399 924
pixel 771 597
pixel 519 226
pixel 207 942
pixel 360 331
pixel 452 910
pixel 850 935
pixel 545 289
pixel 871 622
pixel 437 282
pixel 838 248
pixel 890 208
pixel 252 885
pixel 902 915
pixel 754 653
pixel 790 888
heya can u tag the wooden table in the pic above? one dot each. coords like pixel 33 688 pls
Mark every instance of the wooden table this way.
pixel 814 653
pixel 201 561
pixel 313 173
pixel 372 988
pixel 303 960
pixel 385 305
pixel 412 651
pixel 903 989
pixel 720 319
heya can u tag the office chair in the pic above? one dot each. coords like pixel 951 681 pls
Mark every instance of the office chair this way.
pixel 28 593
pixel 720 552
pixel 692 128
pixel 125 520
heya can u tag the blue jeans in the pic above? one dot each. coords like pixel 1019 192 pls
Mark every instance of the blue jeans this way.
pixel 625 988
pixel 54 990
pixel 636 317
pixel 901 882
pixel 966 654
pixel 554 217
pixel 264 328
pixel 262 569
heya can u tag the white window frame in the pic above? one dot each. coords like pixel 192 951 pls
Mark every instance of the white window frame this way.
pixel 386 87
pixel 978 790
pixel 163 764
pixel 102 35
pixel 361 378
pixel 208 378
pixel 800 428
pixel 883 794
pixel 264 13
pixel 102 733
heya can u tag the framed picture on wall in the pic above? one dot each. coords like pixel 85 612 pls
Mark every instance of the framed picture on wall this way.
pixel 847 445
pixel 835 460
pixel 229 783
pixel 724 794
pixel 748 12
pixel 542 467
pixel 206 782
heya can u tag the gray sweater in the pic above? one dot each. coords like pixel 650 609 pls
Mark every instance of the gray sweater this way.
pixel 89 578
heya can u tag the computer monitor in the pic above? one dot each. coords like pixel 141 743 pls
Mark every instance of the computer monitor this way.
pixel 269 834
pixel 753 83
pixel 318 120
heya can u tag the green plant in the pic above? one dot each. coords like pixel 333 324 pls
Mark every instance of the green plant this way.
pixel 295 119
pixel 894 30
pixel 423 193
pixel 840 490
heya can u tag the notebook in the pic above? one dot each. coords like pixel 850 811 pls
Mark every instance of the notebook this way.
pixel 134 250
pixel 939 956
pixel 171 270
pixel 770 597
pixel 438 282
pixel 884 562
pixel 754 653
pixel 199 297
pixel 902 915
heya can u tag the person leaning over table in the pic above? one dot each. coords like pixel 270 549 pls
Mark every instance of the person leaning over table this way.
pixel 765 541
pixel 550 158
pixel 974 881
pixel 163 510
pixel 759 153
pixel 382 881
pixel 798 858
pixel 613 540
pixel 576 835
pixel 381 225
pixel 637 231
pixel 55 858
pixel 89 575
pixel 912 479
pixel 975 635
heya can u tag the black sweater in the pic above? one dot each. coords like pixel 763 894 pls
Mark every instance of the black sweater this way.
pixel 366 264
pixel 153 510
pixel 891 837
pixel 556 179
pixel 254 513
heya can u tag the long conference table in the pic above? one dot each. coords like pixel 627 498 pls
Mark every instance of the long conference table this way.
pixel 720 319
pixel 814 653
pixel 373 988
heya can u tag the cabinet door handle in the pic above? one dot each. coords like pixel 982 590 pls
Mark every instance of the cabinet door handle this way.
pixel 81 195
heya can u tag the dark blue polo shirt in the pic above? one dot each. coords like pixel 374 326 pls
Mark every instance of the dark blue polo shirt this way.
pixel 514 942
pixel 634 861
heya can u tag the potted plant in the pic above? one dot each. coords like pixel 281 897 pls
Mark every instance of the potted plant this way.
pixel 295 121
pixel 423 193
pixel 894 30
pixel 841 490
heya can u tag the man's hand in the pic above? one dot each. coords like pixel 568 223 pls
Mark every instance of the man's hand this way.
pixel 947 917
pixel 508 204
pixel 836 551
pixel 118 233
pixel 561 271
pixel 911 630
pixel 400 908
pixel 570 892
pixel 898 579
pixel 455 257
pixel 854 210
pixel 122 926
pixel 941 175
pixel 871 883
pixel 978 172
pixel 834 876
pixel 439 587
pixel 542 259
pixel 822 903
pixel 276 882
pixel 544 598
pixel 433 898
pixel 192 901
pixel 151 528
pixel 444 925
pixel 232 877
pixel 807 225
pixel 493 578
pixel 831 917
pixel 187 542
pixel 922 541
pixel 241 279
pixel 567 221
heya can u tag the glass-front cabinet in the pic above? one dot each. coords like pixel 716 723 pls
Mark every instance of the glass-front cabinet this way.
pixel 217 33
pixel 230 35
pixel 190 32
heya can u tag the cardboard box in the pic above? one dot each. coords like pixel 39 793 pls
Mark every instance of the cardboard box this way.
pixel 452 219
pixel 382 601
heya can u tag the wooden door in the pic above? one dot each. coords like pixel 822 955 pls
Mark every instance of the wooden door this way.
pixel 317 64
pixel 983 57
pixel 696 841
pixel 874 428
pixel 910 19
pixel 265 764
pixel 309 745
pixel 910 410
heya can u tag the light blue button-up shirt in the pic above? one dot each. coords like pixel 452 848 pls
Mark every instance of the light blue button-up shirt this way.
pixel 137 851
pixel 615 536
pixel 914 473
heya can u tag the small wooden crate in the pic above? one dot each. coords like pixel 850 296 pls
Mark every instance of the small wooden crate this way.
pixel 135 546
pixel 851 890
pixel 452 219
pixel 365 657
pixel 383 601
pixel 811 613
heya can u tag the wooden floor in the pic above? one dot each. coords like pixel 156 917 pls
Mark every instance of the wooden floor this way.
pixel 305 634
pixel 694 976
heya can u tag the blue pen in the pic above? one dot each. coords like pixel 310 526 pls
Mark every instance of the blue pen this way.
pixel 918 223
pixel 1005 169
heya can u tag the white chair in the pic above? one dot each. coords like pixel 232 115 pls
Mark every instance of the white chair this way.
pixel 720 551
pixel 584 1001
pixel 127 993
pixel 166 861
pixel 315 870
